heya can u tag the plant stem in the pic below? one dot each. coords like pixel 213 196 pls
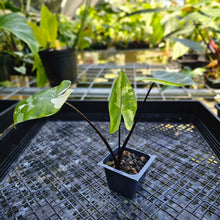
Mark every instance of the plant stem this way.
pixel 83 22
pixel 204 40
pixel 119 139
pixel 135 122
pixel 98 132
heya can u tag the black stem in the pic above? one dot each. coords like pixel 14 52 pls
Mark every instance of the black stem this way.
pixel 98 132
pixel 119 139
pixel 135 122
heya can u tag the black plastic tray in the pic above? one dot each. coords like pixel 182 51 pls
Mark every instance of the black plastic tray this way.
pixel 6 112
pixel 49 167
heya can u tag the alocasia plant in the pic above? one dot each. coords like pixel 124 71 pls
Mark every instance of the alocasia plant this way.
pixel 122 102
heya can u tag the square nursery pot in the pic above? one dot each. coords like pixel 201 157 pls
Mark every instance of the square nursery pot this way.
pixel 124 183
pixel 210 82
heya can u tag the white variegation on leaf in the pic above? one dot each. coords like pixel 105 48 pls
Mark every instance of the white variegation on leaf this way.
pixel 43 104
pixel 122 102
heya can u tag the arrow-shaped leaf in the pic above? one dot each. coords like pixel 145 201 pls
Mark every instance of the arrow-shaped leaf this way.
pixel 42 104
pixel 122 103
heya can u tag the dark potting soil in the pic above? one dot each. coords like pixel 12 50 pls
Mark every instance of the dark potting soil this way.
pixel 130 163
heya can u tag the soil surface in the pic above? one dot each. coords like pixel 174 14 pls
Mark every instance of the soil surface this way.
pixel 130 163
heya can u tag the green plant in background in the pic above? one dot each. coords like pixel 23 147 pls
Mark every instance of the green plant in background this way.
pixel 199 33
pixel 159 21
pixel 174 27
pixel 16 24
pixel 76 33
pixel 16 34
pixel 47 33
pixel 21 55
pixel 116 25
pixel 122 103
pixel 185 38
pixel 46 36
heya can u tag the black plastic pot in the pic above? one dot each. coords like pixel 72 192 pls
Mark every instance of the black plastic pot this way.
pixel 210 82
pixel 124 183
pixel 5 66
pixel 193 60
pixel 59 65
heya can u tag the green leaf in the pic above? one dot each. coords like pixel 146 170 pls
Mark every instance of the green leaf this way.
pixel 168 78
pixel 191 44
pixel 20 69
pixel 122 102
pixel 39 34
pixel 41 73
pixel 17 25
pixel 5 83
pixel 49 24
pixel 193 73
pixel 158 30
pixel 46 33
pixel 42 104
pixel 179 50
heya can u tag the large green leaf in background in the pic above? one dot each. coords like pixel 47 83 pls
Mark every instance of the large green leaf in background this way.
pixel 42 104
pixel 183 45
pixel 122 102
pixel 49 23
pixel 158 29
pixel 168 78
pixel 191 44
pixel 17 25
pixel 179 50
pixel 46 33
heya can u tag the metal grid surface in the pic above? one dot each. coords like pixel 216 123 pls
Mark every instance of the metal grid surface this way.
pixel 57 176
pixel 95 81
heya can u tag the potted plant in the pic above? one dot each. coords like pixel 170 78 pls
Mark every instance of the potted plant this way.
pixel 122 102
pixel 212 73
pixel 13 30
pixel 197 35
pixel 59 63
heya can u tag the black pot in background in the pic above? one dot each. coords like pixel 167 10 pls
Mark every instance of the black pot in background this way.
pixel 59 65
pixel 5 66
pixel 193 60
pixel 210 82
pixel 124 183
